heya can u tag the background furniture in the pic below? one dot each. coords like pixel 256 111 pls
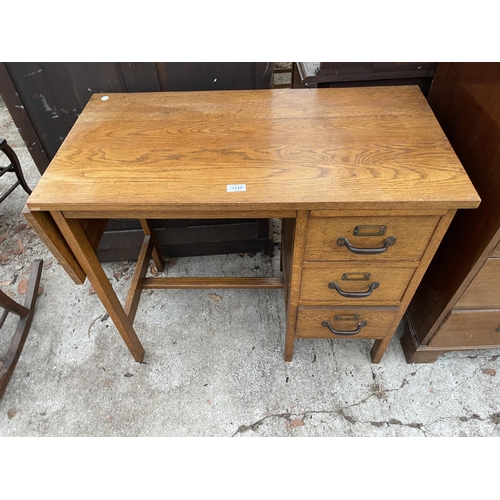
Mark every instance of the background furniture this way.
pixel 45 100
pixel 457 305
pixel 362 74
pixel 13 167
pixel 356 175
pixel 25 313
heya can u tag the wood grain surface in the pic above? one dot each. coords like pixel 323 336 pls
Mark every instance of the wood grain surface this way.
pixel 47 230
pixel 484 291
pixel 378 320
pixel 469 328
pixel 293 149
pixel 392 283
pixel 496 251
pixel 412 236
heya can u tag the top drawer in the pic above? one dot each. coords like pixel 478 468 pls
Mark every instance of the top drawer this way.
pixel 400 238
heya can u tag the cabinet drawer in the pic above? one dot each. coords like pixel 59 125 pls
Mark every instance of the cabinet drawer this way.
pixel 386 238
pixel 484 291
pixel 368 323
pixel 469 329
pixel 342 283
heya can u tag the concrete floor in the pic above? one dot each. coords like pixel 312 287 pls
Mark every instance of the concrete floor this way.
pixel 214 360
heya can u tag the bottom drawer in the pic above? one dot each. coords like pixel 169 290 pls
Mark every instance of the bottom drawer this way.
pixel 346 323
pixel 469 329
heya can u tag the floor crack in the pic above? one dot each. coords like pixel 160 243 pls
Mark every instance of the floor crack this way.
pixel 252 427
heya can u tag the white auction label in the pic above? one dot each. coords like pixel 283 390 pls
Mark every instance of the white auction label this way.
pixel 232 188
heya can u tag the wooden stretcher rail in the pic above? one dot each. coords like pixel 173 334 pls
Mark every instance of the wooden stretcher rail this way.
pixel 159 283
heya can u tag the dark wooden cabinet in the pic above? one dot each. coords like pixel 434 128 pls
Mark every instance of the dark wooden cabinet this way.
pixel 361 74
pixel 457 305
pixel 45 99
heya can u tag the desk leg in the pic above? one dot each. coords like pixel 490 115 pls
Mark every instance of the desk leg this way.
pixel 299 245
pixel 83 251
pixel 147 228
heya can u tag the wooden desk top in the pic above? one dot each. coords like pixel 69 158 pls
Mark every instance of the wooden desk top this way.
pixel 371 147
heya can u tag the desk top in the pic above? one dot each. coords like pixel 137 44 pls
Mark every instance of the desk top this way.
pixel 370 147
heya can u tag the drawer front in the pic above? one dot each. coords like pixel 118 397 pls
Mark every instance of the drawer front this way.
pixel 469 329
pixel 353 283
pixel 484 291
pixel 367 323
pixel 379 238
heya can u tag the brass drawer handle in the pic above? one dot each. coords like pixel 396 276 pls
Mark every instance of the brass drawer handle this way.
pixel 354 295
pixel 366 251
pixel 498 329
pixel 361 324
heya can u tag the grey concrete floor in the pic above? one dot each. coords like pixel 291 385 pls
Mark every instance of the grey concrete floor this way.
pixel 214 359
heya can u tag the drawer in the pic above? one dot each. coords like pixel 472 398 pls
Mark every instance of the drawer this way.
pixel 484 291
pixel 354 283
pixel 469 329
pixel 312 322
pixel 379 238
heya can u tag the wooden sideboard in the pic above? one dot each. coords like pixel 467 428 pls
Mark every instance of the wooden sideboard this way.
pixel 457 305
pixel 362 74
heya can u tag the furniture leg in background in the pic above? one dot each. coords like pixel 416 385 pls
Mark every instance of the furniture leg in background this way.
pixel 14 167
pixel 25 312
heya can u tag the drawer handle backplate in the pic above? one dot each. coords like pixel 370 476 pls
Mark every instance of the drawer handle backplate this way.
pixel 498 329
pixel 366 251
pixel 356 276
pixel 354 295
pixel 369 230
pixel 361 324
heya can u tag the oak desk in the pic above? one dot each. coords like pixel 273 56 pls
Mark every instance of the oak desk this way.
pixel 364 179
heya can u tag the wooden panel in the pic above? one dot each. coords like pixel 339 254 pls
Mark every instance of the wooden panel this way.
pixel 412 236
pixel 496 251
pixel 484 291
pixel 338 74
pixel 47 230
pixel 464 97
pixel 377 322
pixel 188 241
pixel 387 152
pixel 352 277
pixel 23 123
pixel 180 76
pixel 140 77
pixel 375 70
pixel 469 328
pixel 54 94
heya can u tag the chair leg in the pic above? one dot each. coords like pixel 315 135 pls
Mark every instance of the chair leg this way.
pixel 17 343
pixel 11 155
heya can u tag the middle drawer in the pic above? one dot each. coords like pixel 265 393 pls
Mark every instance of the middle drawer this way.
pixel 353 283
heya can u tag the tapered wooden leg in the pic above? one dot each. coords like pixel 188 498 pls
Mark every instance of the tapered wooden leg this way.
pixel 148 230
pixel 379 348
pixel 83 251
pixel 299 242
pixel 141 268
